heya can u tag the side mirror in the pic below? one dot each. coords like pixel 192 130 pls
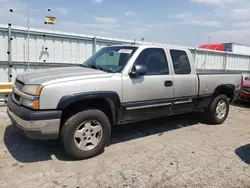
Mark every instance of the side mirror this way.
pixel 138 70
pixel 246 78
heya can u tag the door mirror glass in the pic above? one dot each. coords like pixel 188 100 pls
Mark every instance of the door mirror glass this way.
pixel 138 70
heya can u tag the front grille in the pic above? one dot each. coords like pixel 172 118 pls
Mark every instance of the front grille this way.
pixel 16 97
pixel 245 97
pixel 19 85
pixel 246 89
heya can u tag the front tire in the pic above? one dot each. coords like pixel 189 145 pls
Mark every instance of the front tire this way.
pixel 85 134
pixel 218 109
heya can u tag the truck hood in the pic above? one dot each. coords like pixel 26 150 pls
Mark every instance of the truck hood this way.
pixel 55 75
pixel 246 83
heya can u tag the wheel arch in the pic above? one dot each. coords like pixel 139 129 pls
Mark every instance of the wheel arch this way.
pixel 225 89
pixel 106 101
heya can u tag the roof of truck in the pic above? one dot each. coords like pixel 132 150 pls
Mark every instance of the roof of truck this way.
pixel 151 45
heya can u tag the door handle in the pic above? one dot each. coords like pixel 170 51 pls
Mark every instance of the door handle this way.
pixel 168 83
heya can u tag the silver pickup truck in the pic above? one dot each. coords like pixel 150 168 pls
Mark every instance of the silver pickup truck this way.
pixel 118 84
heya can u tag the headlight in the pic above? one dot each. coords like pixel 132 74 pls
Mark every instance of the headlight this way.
pixel 32 89
pixel 33 104
pixel 27 102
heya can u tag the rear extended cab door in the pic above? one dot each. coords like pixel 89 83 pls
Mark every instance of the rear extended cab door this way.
pixel 185 80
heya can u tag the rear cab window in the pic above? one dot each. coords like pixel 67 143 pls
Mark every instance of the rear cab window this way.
pixel 180 61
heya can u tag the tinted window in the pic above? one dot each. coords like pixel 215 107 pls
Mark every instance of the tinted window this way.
pixel 155 61
pixel 180 62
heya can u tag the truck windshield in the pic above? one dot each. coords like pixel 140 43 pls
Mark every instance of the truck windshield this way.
pixel 110 59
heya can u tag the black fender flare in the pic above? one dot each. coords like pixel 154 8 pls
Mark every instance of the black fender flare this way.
pixel 225 87
pixel 112 98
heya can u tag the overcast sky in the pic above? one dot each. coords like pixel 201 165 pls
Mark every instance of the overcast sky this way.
pixel 182 22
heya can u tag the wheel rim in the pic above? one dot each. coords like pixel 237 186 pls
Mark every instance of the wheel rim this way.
pixel 221 109
pixel 88 135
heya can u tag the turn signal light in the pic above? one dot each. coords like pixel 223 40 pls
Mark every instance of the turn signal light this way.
pixel 36 104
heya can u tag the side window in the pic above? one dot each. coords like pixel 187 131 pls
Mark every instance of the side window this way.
pixel 180 62
pixel 155 61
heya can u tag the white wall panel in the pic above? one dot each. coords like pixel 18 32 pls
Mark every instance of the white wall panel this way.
pixel 199 59
pixel 209 60
pixel 58 49
pixel 41 54
pixel 3 46
pixel 33 49
pixel 83 54
pixel 74 51
pixel 237 62
pixel 19 48
pixel 3 73
pixel 50 52
pixel 66 50
pixel 215 61
pixel 89 48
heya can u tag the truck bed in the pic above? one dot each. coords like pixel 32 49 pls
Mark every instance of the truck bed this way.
pixel 209 80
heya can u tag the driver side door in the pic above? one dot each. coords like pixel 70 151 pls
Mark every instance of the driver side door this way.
pixel 150 95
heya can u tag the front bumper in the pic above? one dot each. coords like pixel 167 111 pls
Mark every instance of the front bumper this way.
pixel 236 96
pixel 244 96
pixel 39 124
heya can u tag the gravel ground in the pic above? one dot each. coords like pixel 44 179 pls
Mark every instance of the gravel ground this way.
pixel 180 151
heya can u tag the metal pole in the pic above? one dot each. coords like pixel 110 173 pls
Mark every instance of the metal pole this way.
pixel 206 53
pixel 225 63
pixel 9 54
pixel 28 28
pixel 94 46
pixel 195 51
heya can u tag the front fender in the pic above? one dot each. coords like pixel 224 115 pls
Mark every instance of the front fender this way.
pixel 110 96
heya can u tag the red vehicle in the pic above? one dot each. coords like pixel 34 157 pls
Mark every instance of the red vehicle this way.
pixel 245 90
pixel 218 47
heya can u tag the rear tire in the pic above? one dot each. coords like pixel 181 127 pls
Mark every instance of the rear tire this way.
pixel 85 134
pixel 218 109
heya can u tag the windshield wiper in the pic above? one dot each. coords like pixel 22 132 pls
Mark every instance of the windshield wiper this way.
pixel 82 65
pixel 98 68
pixel 93 67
